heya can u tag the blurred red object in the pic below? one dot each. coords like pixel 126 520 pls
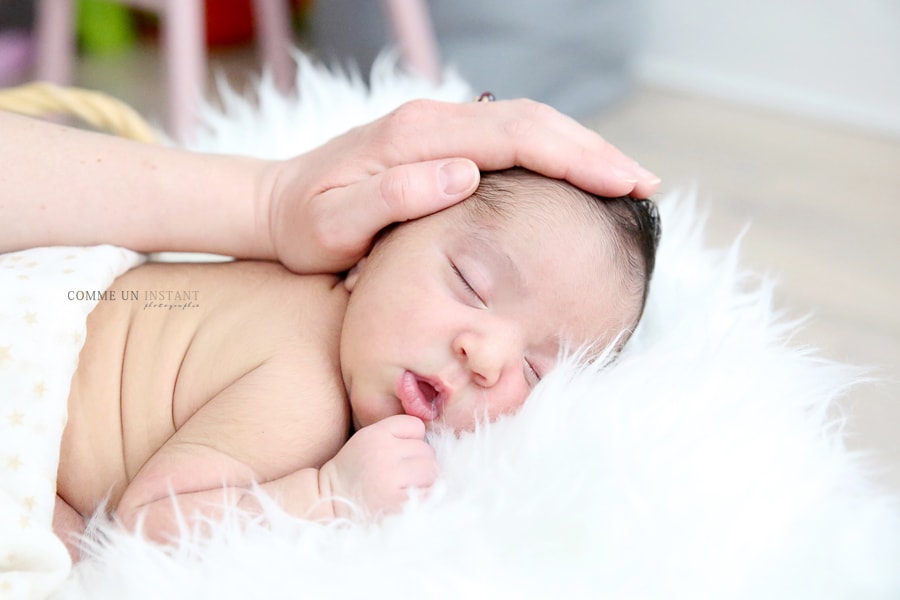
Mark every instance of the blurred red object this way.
pixel 229 22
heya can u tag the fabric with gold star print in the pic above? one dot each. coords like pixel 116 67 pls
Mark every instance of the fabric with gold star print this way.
pixel 46 295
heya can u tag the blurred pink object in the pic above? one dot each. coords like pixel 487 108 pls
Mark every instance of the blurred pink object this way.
pixel 183 27
pixel 414 32
pixel 183 41
pixel 16 53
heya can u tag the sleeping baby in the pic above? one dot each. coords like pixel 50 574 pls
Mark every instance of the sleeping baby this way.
pixel 321 388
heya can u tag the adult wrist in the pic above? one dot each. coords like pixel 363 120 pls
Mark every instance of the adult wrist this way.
pixel 266 215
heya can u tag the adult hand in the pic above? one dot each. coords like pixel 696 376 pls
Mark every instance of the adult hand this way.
pixel 317 212
pixel 324 207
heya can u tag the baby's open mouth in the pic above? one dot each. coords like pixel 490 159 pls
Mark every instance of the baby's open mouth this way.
pixel 427 390
pixel 419 396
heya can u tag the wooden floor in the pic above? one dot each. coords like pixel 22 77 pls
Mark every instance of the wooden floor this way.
pixel 823 203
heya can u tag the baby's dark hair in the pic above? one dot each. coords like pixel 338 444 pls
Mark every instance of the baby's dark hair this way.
pixel 634 224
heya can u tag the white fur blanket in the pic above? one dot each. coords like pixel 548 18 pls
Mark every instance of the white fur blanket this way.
pixel 702 464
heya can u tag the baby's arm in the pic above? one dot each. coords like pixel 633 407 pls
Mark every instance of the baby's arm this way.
pixel 259 429
pixel 185 480
pixel 247 434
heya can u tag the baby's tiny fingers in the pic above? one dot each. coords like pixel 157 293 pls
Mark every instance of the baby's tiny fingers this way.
pixel 421 471
pixel 405 427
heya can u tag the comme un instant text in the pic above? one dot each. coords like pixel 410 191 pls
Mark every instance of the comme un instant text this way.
pixel 135 295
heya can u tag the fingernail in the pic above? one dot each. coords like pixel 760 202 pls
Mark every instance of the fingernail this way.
pixel 646 175
pixel 623 175
pixel 458 176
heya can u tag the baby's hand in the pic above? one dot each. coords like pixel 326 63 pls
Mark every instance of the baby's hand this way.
pixel 379 464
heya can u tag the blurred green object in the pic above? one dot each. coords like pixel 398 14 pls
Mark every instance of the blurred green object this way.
pixel 104 27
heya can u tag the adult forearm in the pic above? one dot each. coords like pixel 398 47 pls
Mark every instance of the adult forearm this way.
pixel 62 186
pixel 317 212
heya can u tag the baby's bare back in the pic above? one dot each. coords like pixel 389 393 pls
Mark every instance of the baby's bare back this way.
pixel 174 337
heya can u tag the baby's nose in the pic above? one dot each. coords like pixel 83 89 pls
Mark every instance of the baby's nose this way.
pixel 486 357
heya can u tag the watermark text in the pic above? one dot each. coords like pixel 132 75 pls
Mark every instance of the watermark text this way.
pixel 157 299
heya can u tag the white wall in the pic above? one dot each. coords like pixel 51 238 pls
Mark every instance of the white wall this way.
pixel 832 59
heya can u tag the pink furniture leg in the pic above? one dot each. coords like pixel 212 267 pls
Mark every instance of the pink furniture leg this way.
pixel 273 32
pixel 55 40
pixel 415 36
pixel 184 47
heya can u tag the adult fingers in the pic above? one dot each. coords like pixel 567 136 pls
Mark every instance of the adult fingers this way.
pixel 348 217
pixel 499 135
pixel 541 139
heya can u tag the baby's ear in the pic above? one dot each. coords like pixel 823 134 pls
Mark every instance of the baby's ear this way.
pixel 353 274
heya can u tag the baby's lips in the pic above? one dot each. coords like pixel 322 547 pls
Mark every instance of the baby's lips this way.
pixel 415 400
pixel 442 393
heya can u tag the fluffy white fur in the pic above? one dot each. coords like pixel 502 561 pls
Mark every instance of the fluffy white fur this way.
pixel 703 463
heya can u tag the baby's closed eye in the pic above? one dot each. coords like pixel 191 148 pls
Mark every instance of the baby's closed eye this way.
pixel 467 286
pixel 532 375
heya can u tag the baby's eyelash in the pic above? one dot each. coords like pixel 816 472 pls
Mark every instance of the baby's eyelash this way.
pixel 466 282
pixel 534 372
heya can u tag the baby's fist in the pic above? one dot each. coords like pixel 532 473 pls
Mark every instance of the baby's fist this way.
pixel 379 464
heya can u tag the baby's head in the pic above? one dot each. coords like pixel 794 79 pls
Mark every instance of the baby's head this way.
pixel 456 316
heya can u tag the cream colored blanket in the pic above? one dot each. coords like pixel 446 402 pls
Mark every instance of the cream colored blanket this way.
pixel 46 295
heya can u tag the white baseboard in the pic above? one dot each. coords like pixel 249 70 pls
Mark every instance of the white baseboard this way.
pixel 731 86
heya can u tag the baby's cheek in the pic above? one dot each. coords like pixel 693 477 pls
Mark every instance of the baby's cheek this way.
pixel 507 401
pixel 520 398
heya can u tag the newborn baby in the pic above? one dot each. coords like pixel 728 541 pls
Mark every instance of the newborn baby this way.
pixel 322 387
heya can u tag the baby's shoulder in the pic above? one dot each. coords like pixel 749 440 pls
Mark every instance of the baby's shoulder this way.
pixel 269 294
pixel 257 310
